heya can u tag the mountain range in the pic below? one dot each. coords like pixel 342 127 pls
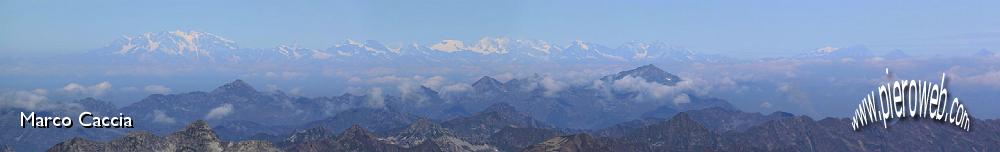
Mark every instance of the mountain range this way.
pixel 683 132
pixel 516 115
pixel 185 47
pixel 189 47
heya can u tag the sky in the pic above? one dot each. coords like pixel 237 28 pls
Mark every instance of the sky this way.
pixel 737 28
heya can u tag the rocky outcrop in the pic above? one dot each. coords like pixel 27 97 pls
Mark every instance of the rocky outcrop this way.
pixel 572 143
pixel 477 128
pixel 197 136
pixel 428 135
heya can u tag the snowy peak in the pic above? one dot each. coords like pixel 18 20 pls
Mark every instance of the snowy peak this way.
pixel 293 51
pixel 485 45
pixel 543 47
pixel 174 43
pixel 579 45
pixel 640 50
pixel 652 50
pixel 449 46
pixel 488 45
pixel 367 48
pixel 193 47
pixel 853 52
pixel 581 50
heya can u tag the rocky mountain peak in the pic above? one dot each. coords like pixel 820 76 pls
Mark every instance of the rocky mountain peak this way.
pixel 356 132
pixel 423 124
pixel 427 91
pixel 487 83
pixel 197 136
pixel 579 142
pixel 199 125
pixel 357 138
pixel 682 119
pixel 426 129
pixel 237 87
pixel 649 72
pixel 311 134
pixel 95 105
pixel 199 129
pixel 781 114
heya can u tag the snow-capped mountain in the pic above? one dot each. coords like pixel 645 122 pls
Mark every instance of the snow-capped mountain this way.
pixel 656 50
pixel 184 44
pixel 194 46
pixel 853 52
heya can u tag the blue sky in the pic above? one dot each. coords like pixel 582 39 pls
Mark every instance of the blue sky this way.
pixel 727 27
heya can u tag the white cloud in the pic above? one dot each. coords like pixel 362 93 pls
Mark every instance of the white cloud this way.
pixel 376 100
pixel 354 80
pixel 93 91
pixel 73 87
pixel 765 104
pixel 991 78
pixel 386 79
pixel 681 99
pixel 30 100
pixel 434 82
pixel 551 86
pixel 297 91
pixel 160 117
pixel 651 89
pixel 784 87
pixel 409 93
pixel 456 88
pixel 271 88
pixel 219 112
pixel 157 89
pixel 40 91
pixel 285 75
pixel 504 77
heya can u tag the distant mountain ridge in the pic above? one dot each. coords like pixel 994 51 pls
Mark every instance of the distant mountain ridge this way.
pixel 194 46
pixel 649 73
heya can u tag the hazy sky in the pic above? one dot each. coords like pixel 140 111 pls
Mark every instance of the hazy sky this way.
pixel 728 27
